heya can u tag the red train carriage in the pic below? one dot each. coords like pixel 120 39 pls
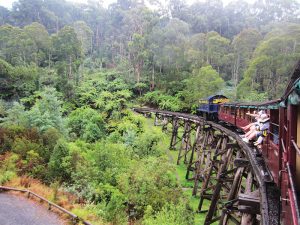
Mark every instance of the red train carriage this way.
pixel 236 113
pixel 289 142
pixel 280 149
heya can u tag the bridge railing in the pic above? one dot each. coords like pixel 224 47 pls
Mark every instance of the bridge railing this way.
pixel 75 218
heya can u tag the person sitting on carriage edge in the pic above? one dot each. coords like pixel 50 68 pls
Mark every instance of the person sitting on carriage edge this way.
pixel 260 132
pixel 264 128
pixel 252 126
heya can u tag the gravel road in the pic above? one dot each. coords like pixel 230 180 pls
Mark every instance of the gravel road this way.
pixel 18 210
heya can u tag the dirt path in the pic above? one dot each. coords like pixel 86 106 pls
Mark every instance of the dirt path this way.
pixel 18 210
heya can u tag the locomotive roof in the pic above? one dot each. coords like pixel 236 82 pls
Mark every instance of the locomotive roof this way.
pixel 216 96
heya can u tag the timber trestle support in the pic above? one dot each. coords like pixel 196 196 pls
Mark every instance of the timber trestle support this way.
pixel 229 178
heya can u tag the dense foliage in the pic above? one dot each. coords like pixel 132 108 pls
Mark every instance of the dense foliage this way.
pixel 102 153
pixel 154 46
pixel 69 74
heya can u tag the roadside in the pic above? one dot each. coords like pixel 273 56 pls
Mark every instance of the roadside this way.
pixel 17 209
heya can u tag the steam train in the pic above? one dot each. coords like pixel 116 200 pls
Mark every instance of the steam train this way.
pixel 280 148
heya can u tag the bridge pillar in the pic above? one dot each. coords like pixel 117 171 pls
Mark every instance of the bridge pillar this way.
pixel 185 146
pixel 198 137
pixel 175 125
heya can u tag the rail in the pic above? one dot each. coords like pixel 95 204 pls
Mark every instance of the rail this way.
pixel 294 200
pixel 274 124
pixel 296 147
pixel 283 146
pixel 74 217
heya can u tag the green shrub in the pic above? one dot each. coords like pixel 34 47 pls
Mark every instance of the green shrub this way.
pixel 170 214
pixel 58 166
pixel 22 146
pixel 8 168
pixel 149 182
pixel 87 124
pixel 162 101
pixel 147 144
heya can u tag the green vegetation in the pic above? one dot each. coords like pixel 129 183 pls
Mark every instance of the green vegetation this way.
pixel 96 149
pixel 70 74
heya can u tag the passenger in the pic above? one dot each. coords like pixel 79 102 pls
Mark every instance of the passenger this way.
pixel 260 132
pixel 252 126
pixel 259 141
pixel 255 126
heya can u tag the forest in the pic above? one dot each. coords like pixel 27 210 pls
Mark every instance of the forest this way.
pixel 70 74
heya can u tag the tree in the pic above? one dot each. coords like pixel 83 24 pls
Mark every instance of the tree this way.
pixel 17 47
pixel 87 124
pixel 138 54
pixel 174 40
pixel 141 188
pixel 204 82
pixel 218 49
pixel 47 112
pixel 170 214
pixel 38 33
pixel 273 59
pixel 196 50
pixel 58 165
pixel 244 45
pixel 67 54
pixel 109 161
pixel 4 15
pixel 17 82
pixel 84 35
pixel 16 115
pixel 139 22
pixel 5 76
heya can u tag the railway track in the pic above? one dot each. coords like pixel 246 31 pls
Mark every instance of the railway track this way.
pixel 228 173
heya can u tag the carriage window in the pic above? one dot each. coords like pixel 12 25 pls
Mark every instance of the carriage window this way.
pixel 243 113
pixel 232 110
pixel 274 126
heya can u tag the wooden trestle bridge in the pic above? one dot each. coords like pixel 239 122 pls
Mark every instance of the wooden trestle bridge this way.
pixel 226 172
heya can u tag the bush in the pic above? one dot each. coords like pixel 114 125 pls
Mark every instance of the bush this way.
pixel 87 124
pixel 110 160
pixel 149 182
pixel 22 146
pixel 59 168
pixel 8 167
pixel 170 214
pixel 147 144
pixel 162 101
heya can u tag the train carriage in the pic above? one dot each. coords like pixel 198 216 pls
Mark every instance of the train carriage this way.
pixel 280 148
pixel 289 142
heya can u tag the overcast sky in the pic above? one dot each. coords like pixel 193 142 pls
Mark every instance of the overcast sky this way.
pixel 8 3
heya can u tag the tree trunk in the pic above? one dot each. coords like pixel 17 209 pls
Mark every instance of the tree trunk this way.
pixel 70 67
pixel 49 60
pixel 57 28
pixel 152 80
pixel 91 44
pixel 138 74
